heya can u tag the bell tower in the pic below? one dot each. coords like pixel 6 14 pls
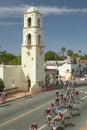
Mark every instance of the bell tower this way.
pixel 32 49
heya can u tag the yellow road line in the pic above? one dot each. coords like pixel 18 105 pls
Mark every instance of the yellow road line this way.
pixel 17 117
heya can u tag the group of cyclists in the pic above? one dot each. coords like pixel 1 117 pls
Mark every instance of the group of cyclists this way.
pixel 53 114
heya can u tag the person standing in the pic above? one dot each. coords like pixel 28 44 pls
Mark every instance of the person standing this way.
pixel 3 96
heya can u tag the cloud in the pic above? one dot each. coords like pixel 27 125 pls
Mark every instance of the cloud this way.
pixel 9 23
pixel 18 11
pixel 13 11
pixel 61 11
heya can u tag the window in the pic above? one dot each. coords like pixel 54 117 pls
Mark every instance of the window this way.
pixel 38 22
pixel 39 39
pixel 29 22
pixel 29 38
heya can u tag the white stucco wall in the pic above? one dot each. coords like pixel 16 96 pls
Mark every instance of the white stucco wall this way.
pixel 11 74
pixel 1 71
pixel 62 69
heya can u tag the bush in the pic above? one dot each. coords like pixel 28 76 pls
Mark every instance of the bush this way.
pixel 2 86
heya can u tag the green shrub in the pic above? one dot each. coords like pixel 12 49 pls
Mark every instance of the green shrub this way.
pixel 2 86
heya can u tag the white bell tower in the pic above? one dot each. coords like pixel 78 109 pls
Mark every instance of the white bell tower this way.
pixel 32 49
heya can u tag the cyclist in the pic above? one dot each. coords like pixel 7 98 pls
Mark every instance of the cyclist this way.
pixel 57 93
pixel 55 124
pixel 77 95
pixel 52 107
pixel 33 126
pixel 63 100
pixel 48 114
pixel 61 116
pixel 72 97
pixel 70 106
pixel 49 119
pixel 51 104
pixel 56 101
pixel 59 109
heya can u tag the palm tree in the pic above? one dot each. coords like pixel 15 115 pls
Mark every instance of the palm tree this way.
pixel 63 49
pixel 70 53
pixel 79 52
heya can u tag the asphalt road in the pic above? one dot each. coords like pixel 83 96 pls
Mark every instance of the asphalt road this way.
pixel 17 115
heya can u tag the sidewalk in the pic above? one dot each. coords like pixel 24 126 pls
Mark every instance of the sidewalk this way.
pixel 21 94
pixel 14 96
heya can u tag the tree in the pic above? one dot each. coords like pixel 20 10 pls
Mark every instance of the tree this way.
pixel 50 55
pixel 63 49
pixel 8 58
pixel 2 86
pixel 79 52
pixel 70 53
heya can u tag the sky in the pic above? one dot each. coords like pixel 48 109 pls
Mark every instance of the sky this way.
pixel 64 24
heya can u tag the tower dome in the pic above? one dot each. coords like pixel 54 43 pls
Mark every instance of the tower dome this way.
pixel 31 9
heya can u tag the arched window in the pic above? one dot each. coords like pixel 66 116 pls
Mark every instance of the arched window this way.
pixel 29 38
pixel 39 39
pixel 29 22
pixel 38 22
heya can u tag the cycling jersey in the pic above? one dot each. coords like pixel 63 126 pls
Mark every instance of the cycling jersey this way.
pixel 55 125
pixel 59 109
pixel 49 117
pixel 64 99
pixel 56 100
pixel 69 104
pixel 34 126
pixel 61 115
pixel 52 105
pixel 76 92
pixel 47 111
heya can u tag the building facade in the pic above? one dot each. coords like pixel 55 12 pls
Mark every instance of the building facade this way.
pixel 31 72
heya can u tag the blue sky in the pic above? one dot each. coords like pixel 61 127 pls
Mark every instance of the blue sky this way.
pixel 64 23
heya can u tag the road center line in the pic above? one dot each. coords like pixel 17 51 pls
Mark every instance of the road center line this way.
pixel 42 127
pixel 20 116
pixel 30 111
pixel 84 97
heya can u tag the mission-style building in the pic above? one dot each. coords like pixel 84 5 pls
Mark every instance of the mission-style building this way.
pixel 31 72
pixel 34 73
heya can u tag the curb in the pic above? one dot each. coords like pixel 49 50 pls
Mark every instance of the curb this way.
pixel 16 99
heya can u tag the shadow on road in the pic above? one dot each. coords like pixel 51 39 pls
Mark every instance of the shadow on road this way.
pixel 60 128
pixel 74 109
pixel 76 114
pixel 69 125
